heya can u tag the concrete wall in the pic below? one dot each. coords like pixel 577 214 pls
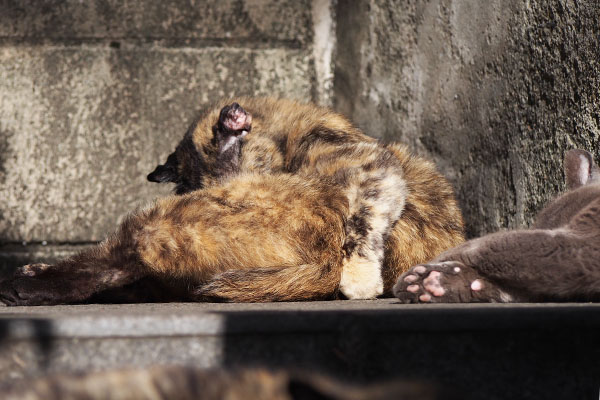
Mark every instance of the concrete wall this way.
pixel 495 91
pixel 93 94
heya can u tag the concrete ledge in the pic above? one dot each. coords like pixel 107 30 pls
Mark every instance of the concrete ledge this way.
pixel 485 351
pixel 191 319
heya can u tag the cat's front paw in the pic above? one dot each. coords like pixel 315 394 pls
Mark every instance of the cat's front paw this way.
pixel 235 120
pixel 447 282
pixel 34 284
pixel 361 279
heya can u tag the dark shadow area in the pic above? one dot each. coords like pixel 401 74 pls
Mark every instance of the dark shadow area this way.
pixel 36 330
pixel 499 355
pixel 145 290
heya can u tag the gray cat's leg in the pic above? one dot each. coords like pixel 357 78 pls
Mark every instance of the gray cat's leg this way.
pixel 559 264
pixel 558 261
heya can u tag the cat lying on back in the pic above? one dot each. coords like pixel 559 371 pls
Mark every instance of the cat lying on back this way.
pixel 557 260
pixel 277 201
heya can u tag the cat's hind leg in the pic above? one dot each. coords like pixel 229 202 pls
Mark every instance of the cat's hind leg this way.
pixel 113 263
pixel 532 265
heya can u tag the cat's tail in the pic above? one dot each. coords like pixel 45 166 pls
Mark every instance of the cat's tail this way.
pixel 291 283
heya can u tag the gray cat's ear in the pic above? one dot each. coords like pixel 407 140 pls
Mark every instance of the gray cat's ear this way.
pixel 580 169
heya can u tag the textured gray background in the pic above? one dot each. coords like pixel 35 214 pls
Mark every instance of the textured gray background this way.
pixel 494 91
pixel 94 94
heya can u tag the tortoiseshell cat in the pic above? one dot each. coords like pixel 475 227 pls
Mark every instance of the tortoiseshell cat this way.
pixel 277 201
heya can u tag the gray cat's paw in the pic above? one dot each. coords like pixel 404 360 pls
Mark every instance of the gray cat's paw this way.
pixel 447 282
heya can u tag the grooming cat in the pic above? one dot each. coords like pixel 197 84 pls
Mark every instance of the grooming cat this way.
pixel 557 260
pixel 288 137
pixel 277 201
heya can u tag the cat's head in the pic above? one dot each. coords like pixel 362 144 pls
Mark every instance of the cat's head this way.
pixel 187 167
pixel 206 151
pixel 211 150
pixel 580 169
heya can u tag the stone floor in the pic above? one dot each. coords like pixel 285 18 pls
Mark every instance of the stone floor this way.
pixel 483 350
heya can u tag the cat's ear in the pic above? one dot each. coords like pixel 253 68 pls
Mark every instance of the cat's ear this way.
pixel 580 169
pixel 166 172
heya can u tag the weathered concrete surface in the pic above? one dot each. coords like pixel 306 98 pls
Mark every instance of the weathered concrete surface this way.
pixel 94 94
pixel 83 127
pixel 182 21
pixel 484 351
pixel 494 91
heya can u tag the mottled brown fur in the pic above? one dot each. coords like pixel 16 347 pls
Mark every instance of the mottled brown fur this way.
pixel 430 222
pixel 313 142
pixel 294 208
pixel 225 230
pixel 207 238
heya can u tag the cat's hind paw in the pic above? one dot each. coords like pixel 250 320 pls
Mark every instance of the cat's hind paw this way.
pixel 43 284
pixel 235 120
pixel 447 282
pixel 24 291
pixel 234 123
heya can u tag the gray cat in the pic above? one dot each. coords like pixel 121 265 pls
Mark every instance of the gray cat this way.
pixel 557 260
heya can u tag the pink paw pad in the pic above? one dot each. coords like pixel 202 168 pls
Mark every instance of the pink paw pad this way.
pixel 432 284
pixel 425 298
pixel 420 269
pixel 413 288
pixel 476 285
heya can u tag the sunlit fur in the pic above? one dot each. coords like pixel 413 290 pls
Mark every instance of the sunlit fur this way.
pixel 401 211
pixel 309 207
